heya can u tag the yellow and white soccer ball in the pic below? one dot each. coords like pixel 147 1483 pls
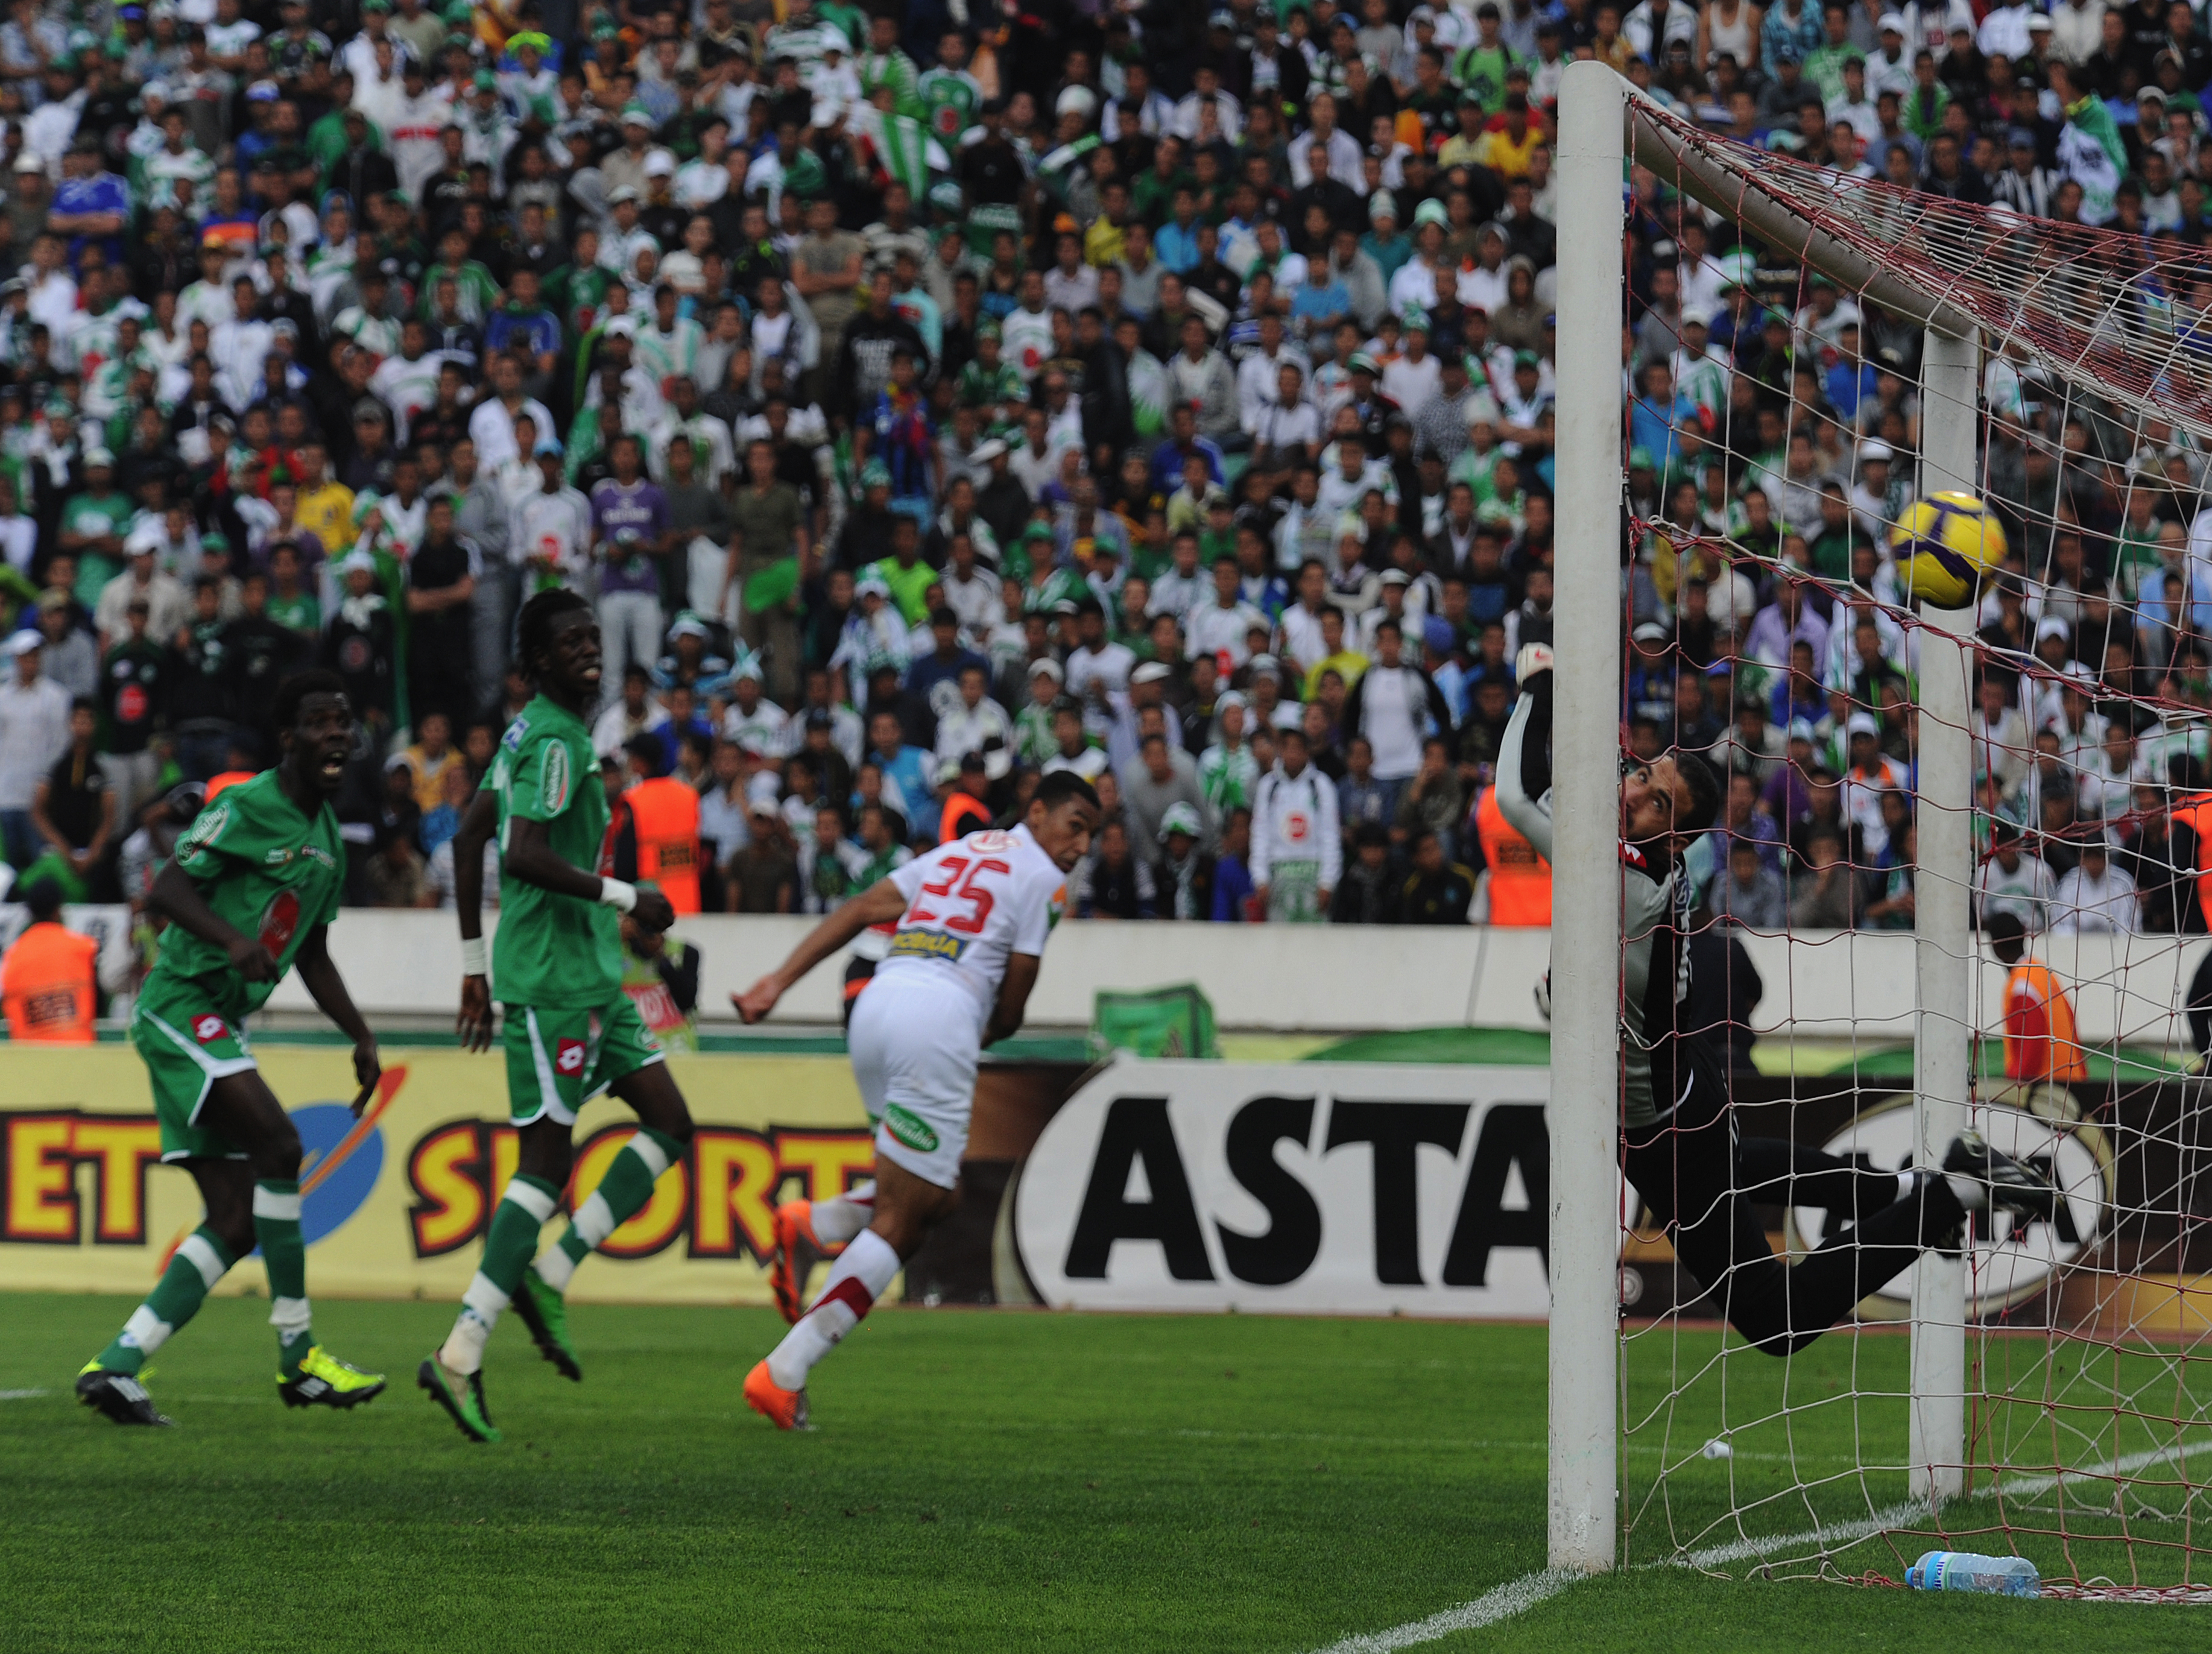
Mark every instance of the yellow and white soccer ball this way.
pixel 1946 546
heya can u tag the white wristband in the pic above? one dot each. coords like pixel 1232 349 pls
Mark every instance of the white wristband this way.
pixel 615 894
pixel 475 961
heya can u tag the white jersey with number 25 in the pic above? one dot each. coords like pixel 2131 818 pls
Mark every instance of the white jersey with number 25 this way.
pixel 968 905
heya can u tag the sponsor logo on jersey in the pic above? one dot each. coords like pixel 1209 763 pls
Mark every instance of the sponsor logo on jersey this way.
pixel 927 944
pixel 317 853
pixel 209 1029
pixel 281 923
pixel 568 1056
pixel 277 858
pixel 909 1129
pixel 553 793
pixel 513 739
pixel 203 832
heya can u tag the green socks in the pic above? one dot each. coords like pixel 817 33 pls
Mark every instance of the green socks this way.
pixel 528 1202
pixel 201 1261
pixel 620 1195
pixel 276 1226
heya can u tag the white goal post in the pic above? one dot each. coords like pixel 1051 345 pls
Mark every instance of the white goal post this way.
pixel 1599 114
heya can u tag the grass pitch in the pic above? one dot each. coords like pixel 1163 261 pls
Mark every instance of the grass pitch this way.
pixel 978 1481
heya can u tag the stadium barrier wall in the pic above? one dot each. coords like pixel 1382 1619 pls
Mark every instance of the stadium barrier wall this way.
pixel 1338 979
pixel 397 1205
pixel 1301 1187
pixel 1210 1186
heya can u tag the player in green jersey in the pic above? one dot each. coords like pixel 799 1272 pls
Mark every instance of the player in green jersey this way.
pixel 569 1031
pixel 254 885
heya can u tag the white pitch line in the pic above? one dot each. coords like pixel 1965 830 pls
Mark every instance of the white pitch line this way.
pixel 2030 1486
pixel 21 1394
pixel 1518 1596
pixel 1514 1596
pixel 1836 1538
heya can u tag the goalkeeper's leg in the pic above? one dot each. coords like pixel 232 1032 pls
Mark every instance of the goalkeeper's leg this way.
pixel 1688 1169
pixel 1778 1173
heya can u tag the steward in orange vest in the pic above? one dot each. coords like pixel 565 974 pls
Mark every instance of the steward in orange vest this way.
pixel 48 986
pixel 1520 879
pixel 2040 1040
pixel 665 817
pixel 966 809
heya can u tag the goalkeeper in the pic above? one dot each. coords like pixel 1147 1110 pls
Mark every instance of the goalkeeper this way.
pixel 1682 1153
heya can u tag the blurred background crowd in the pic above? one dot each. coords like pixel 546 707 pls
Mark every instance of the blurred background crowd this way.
pixel 932 394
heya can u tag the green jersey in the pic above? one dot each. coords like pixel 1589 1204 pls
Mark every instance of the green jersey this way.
pixel 553 950
pixel 269 872
pixel 949 99
pixel 893 69
pixel 979 386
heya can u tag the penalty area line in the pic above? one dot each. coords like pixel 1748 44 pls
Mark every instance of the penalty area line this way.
pixel 1501 1602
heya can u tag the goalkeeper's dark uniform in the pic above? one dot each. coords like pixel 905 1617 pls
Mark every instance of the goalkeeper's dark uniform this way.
pixel 1682 1153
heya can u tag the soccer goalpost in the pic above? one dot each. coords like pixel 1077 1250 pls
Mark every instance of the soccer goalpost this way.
pixel 2045 1390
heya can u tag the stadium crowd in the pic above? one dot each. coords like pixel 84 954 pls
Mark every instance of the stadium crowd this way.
pixel 935 395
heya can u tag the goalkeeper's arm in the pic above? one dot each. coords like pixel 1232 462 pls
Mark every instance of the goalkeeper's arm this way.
pixel 1524 759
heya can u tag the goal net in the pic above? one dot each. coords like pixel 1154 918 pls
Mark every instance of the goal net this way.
pixel 1958 883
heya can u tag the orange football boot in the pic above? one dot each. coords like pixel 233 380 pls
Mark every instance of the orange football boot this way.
pixel 785 1409
pixel 785 1274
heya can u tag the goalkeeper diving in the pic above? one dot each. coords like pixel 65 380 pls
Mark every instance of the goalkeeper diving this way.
pixel 1682 1153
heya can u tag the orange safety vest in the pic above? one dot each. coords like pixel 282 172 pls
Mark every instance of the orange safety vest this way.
pixel 2040 1041
pixel 47 988
pixel 2196 811
pixel 1520 879
pixel 964 813
pixel 666 814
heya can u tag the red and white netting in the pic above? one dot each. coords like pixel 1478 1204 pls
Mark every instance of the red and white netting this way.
pixel 1772 453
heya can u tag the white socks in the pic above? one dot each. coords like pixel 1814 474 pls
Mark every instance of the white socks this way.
pixel 861 1275
pixel 1974 1196
pixel 837 1219
pixel 463 1350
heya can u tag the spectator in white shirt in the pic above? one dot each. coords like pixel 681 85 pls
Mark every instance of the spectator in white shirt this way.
pixel 34 731
pixel 1220 627
pixel 2096 896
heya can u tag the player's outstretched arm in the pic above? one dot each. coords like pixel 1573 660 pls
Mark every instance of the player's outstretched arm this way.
pixel 1014 998
pixel 176 899
pixel 879 904
pixel 482 821
pixel 318 972
pixel 532 857
pixel 1524 779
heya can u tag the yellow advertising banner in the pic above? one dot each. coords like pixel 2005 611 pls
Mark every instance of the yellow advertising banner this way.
pixel 397 1202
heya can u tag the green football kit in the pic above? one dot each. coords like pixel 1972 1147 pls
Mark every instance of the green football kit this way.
pixel 271 872
pixel 570 1031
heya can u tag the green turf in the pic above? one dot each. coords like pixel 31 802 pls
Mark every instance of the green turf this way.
pixel 979 1481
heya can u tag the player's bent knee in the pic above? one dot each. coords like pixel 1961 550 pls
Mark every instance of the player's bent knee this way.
pixel 278 1157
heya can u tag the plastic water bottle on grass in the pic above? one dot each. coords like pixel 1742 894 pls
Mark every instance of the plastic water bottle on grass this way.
pixel 1996 1576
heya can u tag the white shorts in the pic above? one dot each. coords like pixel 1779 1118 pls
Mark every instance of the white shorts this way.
pixel 914 1045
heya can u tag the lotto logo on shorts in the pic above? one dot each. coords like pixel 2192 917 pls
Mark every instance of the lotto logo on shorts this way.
pixel 909 1129
pixel 568 1056
pixel 208 1029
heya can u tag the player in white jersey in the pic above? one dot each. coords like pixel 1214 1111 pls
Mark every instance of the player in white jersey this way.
pixel 973 916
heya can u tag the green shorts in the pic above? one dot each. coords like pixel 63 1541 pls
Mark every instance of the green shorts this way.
pixel 187 1047
pixel 559 1060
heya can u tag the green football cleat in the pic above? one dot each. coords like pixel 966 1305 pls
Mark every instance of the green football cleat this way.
pixel 117 1395
pixel 463 1398
pixel 323 1380
pixel 545 1312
